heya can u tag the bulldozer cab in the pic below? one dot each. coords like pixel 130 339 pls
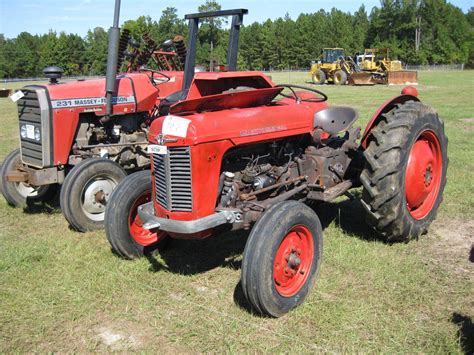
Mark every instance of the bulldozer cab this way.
pixel 375 54
pixel 360 58
pixel 375 59
pixel 332 55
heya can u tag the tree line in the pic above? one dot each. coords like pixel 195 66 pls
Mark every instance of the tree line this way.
pixel 415 31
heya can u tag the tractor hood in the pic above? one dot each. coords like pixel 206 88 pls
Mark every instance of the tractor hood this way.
pixel 239 125
pixel 135 93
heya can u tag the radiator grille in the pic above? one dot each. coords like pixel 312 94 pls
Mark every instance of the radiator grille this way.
pixel 29 112
pixel 173 179
pixel 34 109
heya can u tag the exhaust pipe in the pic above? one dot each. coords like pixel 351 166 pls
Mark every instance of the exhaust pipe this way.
pixel 112 59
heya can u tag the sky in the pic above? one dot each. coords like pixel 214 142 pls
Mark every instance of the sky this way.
pixel 40 16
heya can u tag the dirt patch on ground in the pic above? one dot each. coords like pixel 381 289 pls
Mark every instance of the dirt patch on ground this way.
pixel 125 335
pixel 451 246
pixel 105 334
pixel 117 338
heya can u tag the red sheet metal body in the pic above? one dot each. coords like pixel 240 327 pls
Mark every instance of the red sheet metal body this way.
pixel 71 99
pixel 386 107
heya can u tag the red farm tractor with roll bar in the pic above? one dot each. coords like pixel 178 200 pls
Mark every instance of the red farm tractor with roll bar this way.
pixel 228 154
pixel 87 135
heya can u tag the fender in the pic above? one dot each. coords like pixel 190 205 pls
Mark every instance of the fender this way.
pixel 408 94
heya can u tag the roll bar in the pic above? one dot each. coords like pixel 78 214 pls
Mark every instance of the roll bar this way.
pixel 194 19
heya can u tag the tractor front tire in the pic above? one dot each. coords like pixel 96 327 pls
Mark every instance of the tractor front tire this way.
pixel 282 258
pixel 123 226
pixel 319 77
pixel 86 190
pixel 19 194
pixel 340 77
pixel 405 171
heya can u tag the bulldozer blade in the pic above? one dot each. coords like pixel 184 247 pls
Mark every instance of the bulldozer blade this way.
pixel 361 79
pixel 403 77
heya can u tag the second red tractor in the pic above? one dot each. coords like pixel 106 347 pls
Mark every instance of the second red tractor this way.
pixel 87 135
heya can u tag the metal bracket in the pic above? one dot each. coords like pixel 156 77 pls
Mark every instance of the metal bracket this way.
pixel 150 221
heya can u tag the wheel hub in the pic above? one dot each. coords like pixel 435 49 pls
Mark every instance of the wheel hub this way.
pixel 294 261
pixel 428 176
pixel 100 196
pixel 95 195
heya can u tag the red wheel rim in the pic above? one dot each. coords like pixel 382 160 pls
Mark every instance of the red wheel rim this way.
pixel 142 236
pixel 423 174
pixel 293 261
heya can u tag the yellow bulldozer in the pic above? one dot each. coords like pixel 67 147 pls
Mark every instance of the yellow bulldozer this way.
pixel 377 68
pixel 333 66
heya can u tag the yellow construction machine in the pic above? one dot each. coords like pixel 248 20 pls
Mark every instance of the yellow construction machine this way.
pixel 377 68
pixel 332 67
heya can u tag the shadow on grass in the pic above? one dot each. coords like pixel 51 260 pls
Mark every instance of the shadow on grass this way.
pixel 49 206
pixel 189 257
pixel 350 216
pixel 465 332
pixel 241 301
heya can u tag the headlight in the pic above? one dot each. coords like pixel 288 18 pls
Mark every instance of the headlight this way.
pixel 23 131
pixel 37 134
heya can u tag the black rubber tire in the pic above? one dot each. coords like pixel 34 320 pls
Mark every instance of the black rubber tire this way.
pixel 319 77
pixel 257 265
pixel 383 176
pixel 10 191
pixel 118 211
pixel 340 77
pixel 72 189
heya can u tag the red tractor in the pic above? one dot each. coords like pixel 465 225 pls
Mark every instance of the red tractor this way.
pixel 227 155
pixel 87 135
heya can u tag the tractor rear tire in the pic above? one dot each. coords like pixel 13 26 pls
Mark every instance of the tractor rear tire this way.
pixel 19 194
pixel 405 171
pixel 340 77
pixel 282 258
pixel 319 77
pixel 122 225
pixel 86 190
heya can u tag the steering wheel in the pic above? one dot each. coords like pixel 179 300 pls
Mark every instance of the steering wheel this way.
pixel 153 72
pixel 291 87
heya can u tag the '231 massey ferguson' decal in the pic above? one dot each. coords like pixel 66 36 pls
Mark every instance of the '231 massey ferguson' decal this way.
pixel 91 101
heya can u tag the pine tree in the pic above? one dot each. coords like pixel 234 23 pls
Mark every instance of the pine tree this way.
pixel 96 44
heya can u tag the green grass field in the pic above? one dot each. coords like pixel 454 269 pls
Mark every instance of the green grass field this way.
pixel 65 291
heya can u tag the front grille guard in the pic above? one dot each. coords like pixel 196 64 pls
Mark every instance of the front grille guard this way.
pixel 173 179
